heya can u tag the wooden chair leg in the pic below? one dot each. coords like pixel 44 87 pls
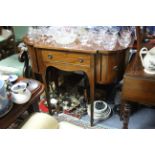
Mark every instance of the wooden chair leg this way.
pixel 126 115
pixel 121 110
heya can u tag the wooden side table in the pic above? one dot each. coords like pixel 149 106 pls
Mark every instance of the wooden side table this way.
pixel 103 67
pixel 17 109
pixel 138 87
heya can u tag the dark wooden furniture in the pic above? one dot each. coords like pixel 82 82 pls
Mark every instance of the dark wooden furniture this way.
pixel 103 67
pixel 138 87
pixel 7 46
pixel 17 109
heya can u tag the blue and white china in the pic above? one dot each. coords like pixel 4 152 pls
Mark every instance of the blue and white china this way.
pixel 20 93
pixel 102 110
pixel 148 60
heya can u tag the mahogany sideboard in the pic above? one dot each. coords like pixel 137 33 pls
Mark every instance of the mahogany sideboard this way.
pixel 103 67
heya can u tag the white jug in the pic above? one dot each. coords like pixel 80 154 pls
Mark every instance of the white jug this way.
pixel 148 60
pixel 20 93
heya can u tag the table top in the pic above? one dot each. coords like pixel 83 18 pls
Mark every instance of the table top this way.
pixel 17 109
pixel 77 47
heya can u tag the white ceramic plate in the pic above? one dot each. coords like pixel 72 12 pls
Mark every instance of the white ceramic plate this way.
pixel 102 116
pixel 102 110
pixel 152 72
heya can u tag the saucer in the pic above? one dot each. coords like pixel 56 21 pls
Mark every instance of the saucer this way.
pixel 152 72
pixel 12 78
pixel 31 84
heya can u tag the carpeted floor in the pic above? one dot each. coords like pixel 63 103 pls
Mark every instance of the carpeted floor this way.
pixel 76 121
pixel 142 118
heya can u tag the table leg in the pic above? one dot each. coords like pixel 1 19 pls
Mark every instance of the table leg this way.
pixel 126 114
pixel 34 107
pixel 92 95
pixel 45 78
pixel 121 110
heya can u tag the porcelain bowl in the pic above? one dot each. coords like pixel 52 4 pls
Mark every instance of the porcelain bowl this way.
pixel 101 113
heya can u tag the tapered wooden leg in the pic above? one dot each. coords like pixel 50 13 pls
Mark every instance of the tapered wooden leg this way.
pixel 92 96
pixel 121 110
pixel 34 107
pixel 45 78
pixel 126 115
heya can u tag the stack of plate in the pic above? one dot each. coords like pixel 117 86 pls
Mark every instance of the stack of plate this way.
pixel 101 110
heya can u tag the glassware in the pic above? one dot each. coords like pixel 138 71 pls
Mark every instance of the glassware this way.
pixel 32 33
pixel 99 36
pixel 84 36
pixel 64 36
pixel 84 39
pixel 114 29
pixel 124 38
pixel 110 40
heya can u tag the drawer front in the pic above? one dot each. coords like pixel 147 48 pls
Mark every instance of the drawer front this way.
pixel 66 57
pixel 138 90
pixel 110 67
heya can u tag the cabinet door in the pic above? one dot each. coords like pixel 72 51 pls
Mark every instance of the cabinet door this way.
pixel 110 67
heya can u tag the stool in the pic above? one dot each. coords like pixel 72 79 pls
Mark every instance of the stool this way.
pixel 41 121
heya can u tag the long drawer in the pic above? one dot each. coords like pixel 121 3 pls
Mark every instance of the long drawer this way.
pixel 66 57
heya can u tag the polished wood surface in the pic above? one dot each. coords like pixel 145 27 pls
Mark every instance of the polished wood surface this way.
pixel 70 58
pixel 110 66
pixel 67 62
pixel 138 86
pixel 17 109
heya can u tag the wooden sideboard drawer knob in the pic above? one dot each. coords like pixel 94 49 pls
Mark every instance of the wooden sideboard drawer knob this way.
pixel 81 60
pixel 50 56
pixel 115 68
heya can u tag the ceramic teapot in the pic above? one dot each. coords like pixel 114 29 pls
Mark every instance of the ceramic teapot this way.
pixel 148 60
pixel 20 94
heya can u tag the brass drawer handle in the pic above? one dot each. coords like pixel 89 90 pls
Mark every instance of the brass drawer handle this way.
pixel 81 60
pixel 115 68
pixel 50 56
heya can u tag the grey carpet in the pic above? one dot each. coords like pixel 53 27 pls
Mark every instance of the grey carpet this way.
pixel 143 118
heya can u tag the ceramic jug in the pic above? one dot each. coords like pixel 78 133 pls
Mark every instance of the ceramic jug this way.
pixel 148 59
pixel 20 93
